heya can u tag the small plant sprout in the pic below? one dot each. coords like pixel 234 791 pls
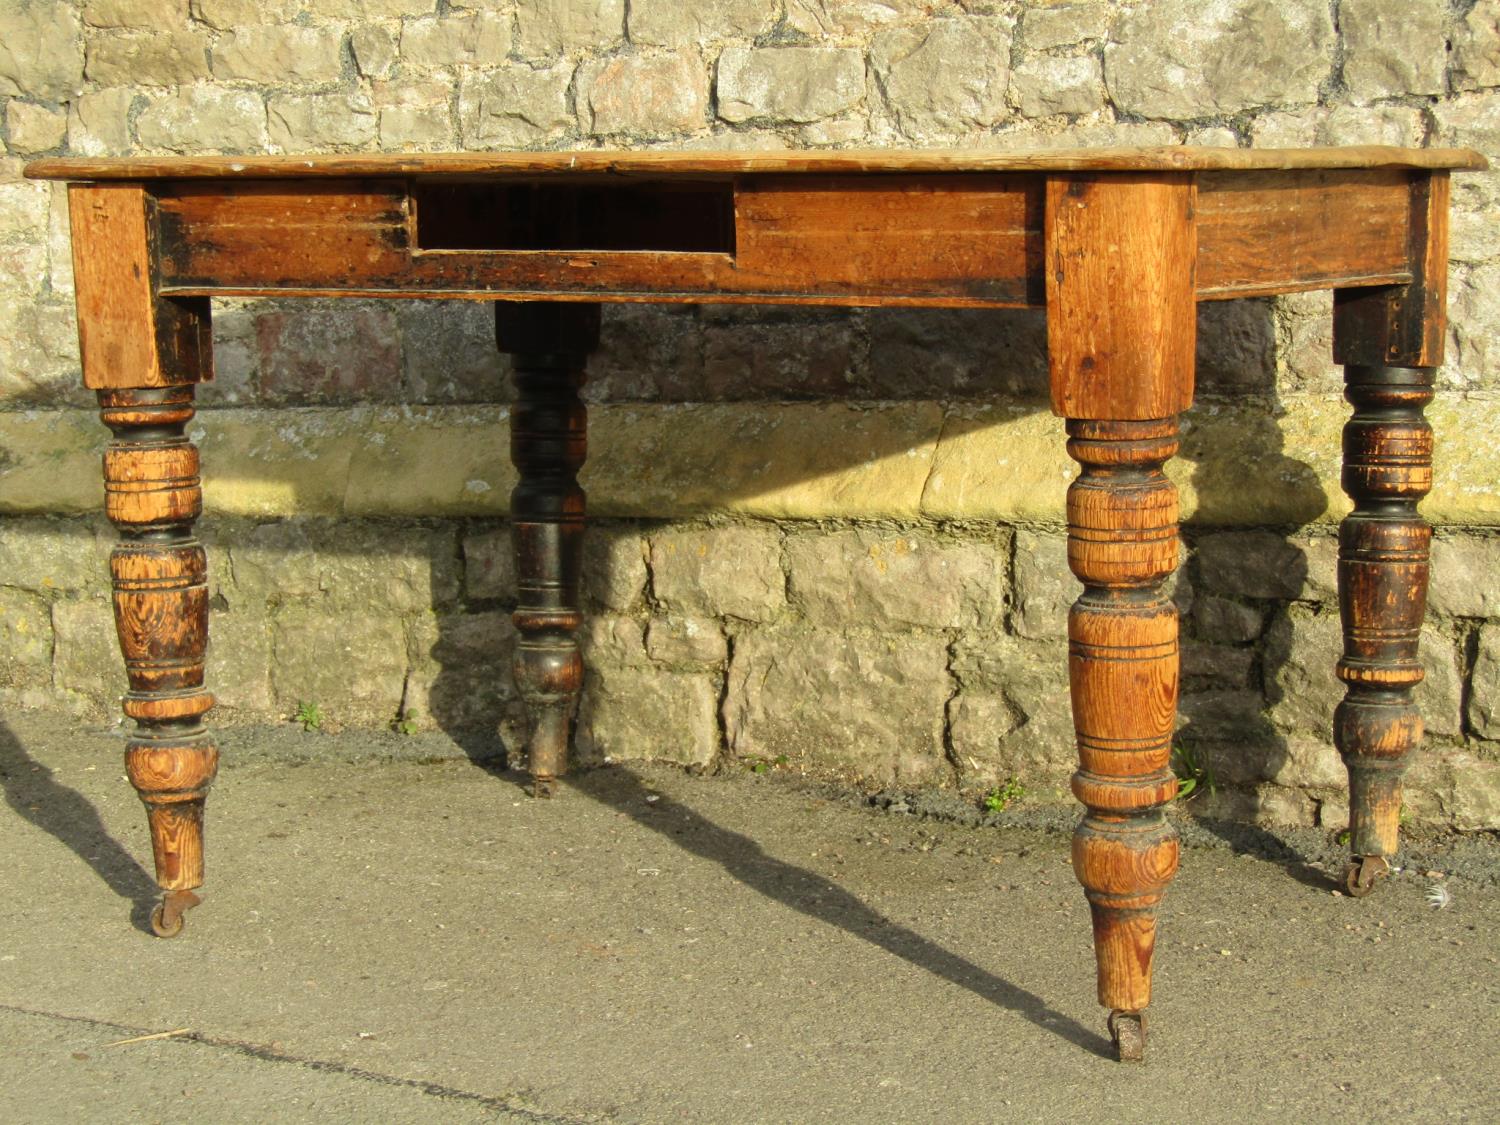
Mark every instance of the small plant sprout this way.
pixel 309 714
pixel 998 798
pixel 1439 897
pixel 406 723
pixel 1192 773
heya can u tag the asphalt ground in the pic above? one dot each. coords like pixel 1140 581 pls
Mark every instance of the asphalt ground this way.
pixel 393 932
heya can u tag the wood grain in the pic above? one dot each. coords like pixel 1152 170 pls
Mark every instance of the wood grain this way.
pixel 1383 571
pixel 1183 158
pixel 1121 319
pixel 1403 325
pixel 127 335
pixel 1274 232
pixel 1123 672
pixel 159 574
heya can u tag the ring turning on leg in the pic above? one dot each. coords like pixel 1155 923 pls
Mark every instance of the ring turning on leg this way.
pixel 160 578
pixel 1122 663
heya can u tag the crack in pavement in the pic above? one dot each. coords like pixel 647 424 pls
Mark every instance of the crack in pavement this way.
pixel 325 1066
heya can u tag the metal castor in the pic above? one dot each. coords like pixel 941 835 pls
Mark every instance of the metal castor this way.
pixel 1363 872
pixel 167 915
pixel 1127 1030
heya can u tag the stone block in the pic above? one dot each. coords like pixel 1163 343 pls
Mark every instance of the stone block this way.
pixel 1440 694
pixel 314 122
pixel 1476 47
pixel 467 39
pixel 460 676
pixel 1465 578
pixel 719 572
pixel 1394 47
pixel 1182 59
pixel 1484 694
pixel 648 96
pixel 1300 653
pixel 238 671
pixel 86 662
pixel 955 353
pixel 50 462
pixel 790 355
pixel 317 352
pixel 788 84
pixel 648 352
pixel 134 13
pixel 1012 716
pixel 945 75
pixel 99 123
pixel 34 128
pixel 204 119
pixel 1225 621
pixel 1250 564
pixel 374 50
pixel 630 714
pixel 152 58
pixel 850 18
pixel 1062 25
pixel 1047 84
pixel 489 564
pixel 41 51
pixel 1236 349
pixel 614 567
pixel 696 641
pixel 280 56
pixel 549 27
pixel 867 708
pixel 56 556
pixel 25 639
pixel 689 23
pixel 1476 793
pixel 1233 731
pixel 610 639
pixel 352 665
pixel 388 570
pixel 448 349
pixel 1045 587
pixel 517 106
pixel 1206 667
pixel 897 580
pixel 418 127
pixel 227 15
pixel 1311 763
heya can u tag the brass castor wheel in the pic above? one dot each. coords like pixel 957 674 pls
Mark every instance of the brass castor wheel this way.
pixel 1363 872
pixel 167 915
pixel 1127 1030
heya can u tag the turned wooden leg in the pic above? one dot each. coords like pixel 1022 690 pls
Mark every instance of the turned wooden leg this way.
pixel 1122 664
pixel 160 576
pixel 1383 548
pixel 549 343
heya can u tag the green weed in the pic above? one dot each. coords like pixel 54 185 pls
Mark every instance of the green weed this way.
pixel 1001 796
pixel 310 715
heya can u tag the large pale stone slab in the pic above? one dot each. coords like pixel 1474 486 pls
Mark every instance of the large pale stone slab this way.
pixel 647 95
pixel 41 50
pixel 865 707
pixel 352 665
pixel 156 58
pixel 280 56
pixel 516 106
pixel 314 122
pixel 870 577
pixel 719 572
pixel 637 714
pixel 1394 47
pixel 945 75
pixel 1182 59
pixel 688 23
pixel 782 84
pixel 467 39
pixel 550 27
pixel 204 119
pixel 1476 47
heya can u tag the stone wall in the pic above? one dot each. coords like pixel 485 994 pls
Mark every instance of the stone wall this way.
pixel 829 539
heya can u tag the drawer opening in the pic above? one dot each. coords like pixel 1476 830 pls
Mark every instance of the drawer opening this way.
pixel 692 217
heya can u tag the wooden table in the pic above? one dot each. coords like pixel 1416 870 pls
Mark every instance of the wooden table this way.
pixel 1117 245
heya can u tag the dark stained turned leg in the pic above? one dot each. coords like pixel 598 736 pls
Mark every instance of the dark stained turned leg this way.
pixel 549 343
pixel 1123 669
pixel 1383 550
pixel 160 576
